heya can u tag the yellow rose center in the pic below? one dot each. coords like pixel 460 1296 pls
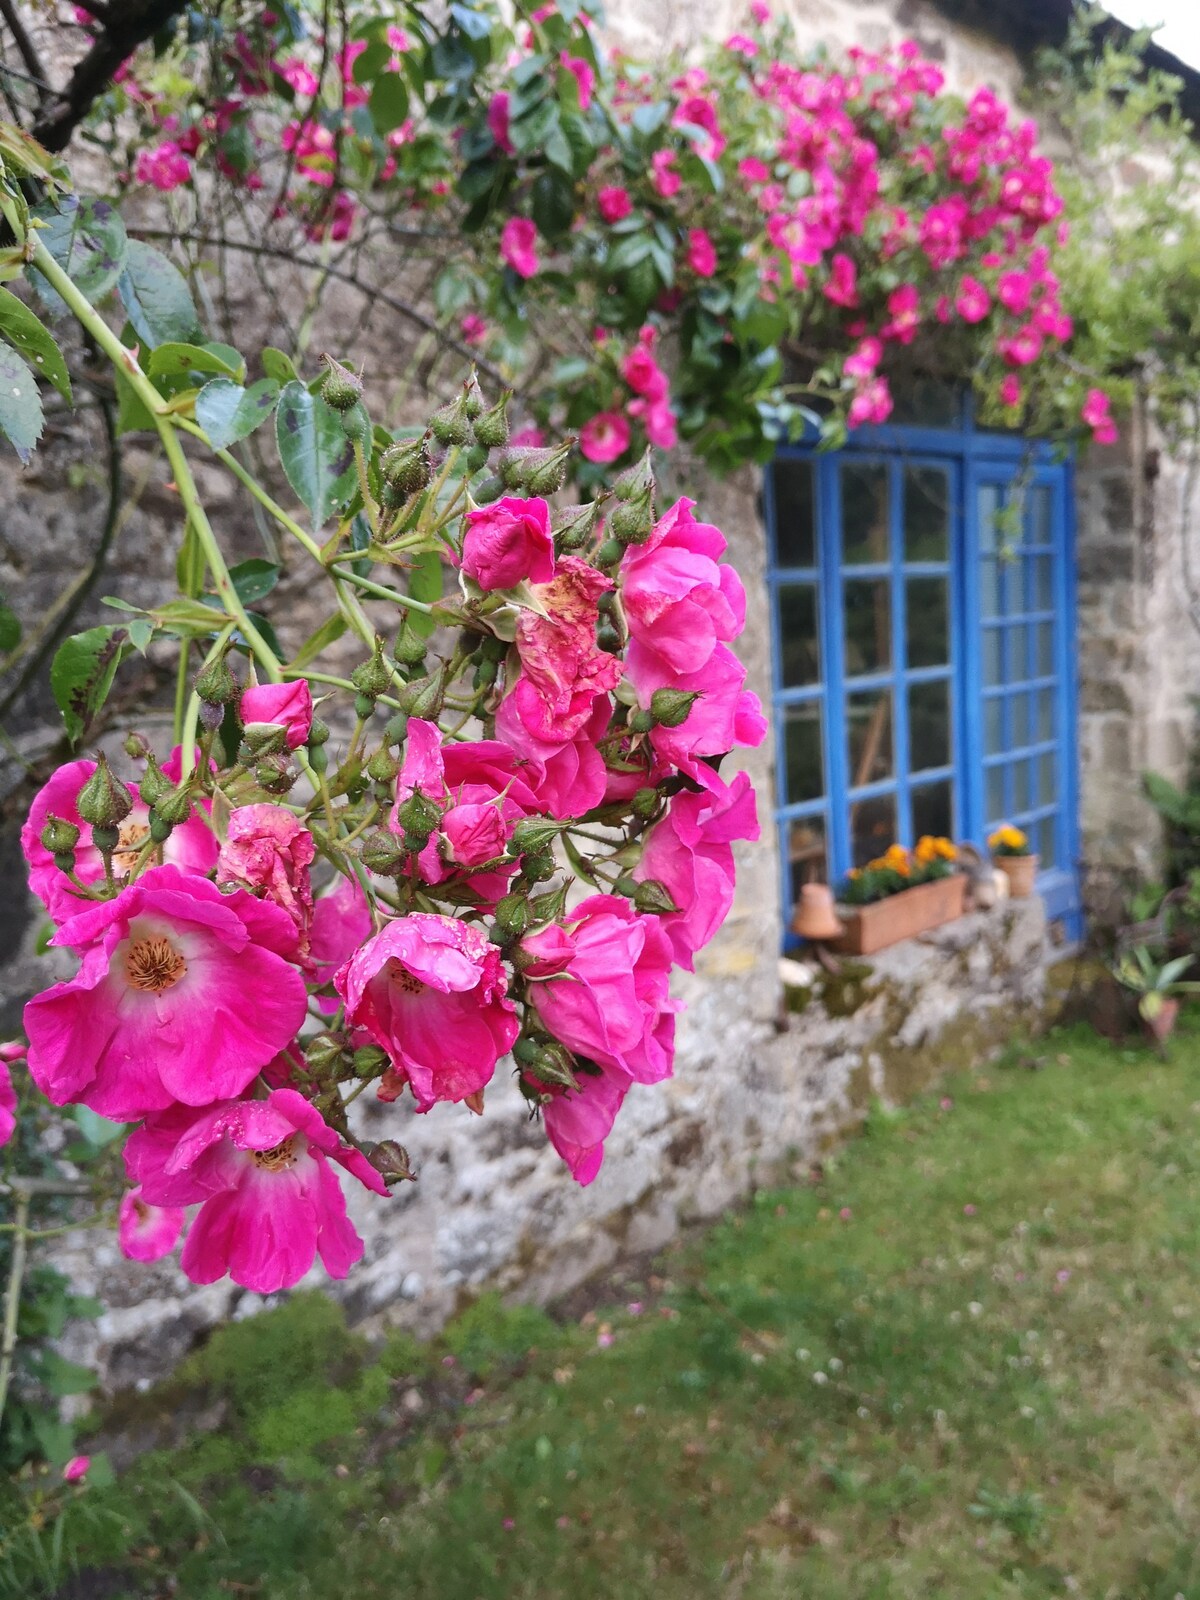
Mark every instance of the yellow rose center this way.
pixel 279 1157
pixel 154 965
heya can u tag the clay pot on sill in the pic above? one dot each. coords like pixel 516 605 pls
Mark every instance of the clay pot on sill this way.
pixel 1021 872
pixel 814 917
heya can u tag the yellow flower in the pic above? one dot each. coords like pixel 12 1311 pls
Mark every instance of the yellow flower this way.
pixel 926 850
pixel 1008 838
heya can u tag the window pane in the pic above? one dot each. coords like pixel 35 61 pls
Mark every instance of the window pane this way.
pixel 989 586
pixel 1045 715
pixel 993 725
pixel 1040 590
pixel 926 514
pixel 804 765
pixel 869 731
pixel 988 506
pixel 1047 781
pixel 1037 513
pixel 1019 721
pixel 926 625
pixel 872 827
pixel 865 530
pixel 1049 847
pixel 795 520
pixel 867 603
pixel 1044 656
pixel 933 810
pixel 1022 772
pixel 929 725
pixel 997 805
pixel 805 853
pixel 799 652
pixel 1018 653
pixel 993 669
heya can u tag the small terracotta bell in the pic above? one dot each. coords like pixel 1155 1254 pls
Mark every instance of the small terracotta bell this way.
pixel 814 916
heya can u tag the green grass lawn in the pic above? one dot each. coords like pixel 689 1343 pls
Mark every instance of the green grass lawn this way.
pixel 964 1363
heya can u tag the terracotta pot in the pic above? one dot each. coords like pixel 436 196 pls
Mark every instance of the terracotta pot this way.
pixel 1020 872
pixel 814 917
pixel 1162 1024
pixel 902 916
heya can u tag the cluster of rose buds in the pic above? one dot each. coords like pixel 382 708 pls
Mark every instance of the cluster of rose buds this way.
pixel 515 831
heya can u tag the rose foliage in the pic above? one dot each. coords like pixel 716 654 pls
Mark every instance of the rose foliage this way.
pixel 720 253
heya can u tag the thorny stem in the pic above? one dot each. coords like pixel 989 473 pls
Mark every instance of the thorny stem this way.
pixel 12 1298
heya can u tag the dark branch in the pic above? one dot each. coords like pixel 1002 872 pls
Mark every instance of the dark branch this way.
pixel 25 46
pixel 124 29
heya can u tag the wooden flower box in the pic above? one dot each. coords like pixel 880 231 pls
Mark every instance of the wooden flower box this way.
pixel 901 916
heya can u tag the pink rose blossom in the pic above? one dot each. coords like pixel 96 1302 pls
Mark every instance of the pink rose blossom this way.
pixel 972 301
pixel 571 773
pixel 842 287
pixel 724 713
pixel 579 1121
pixel 341 920
pixel 665 180
pixel 268 852
pixel 659 422
pixel 509 542
pixel 760 11
pixel 164 166
pixel 146 1232
pixel 872 402
pixel 1010 390
pixel 642 372
pixel 270 1202
pixel 613 203
pixel 741 45
pixel 473 328
pixel 473 834
pixel 183 994
pixel 904 305
pixel 863 362
pixel 604 437
pixel 431 991
pixel 679 598
pixel 701 253
pixel 299 77
pixel 583 75
pixel 8 1104
pixel 1022 348
pixel 612 1004
pixel 1014 291
pixel 1095 413
pixel 690 852
pixel 284 705
pixel 497 121
pixel 518 246
pixel 77 1469
pixel 191 845
pixel 754 170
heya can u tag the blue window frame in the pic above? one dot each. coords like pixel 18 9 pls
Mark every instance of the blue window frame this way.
pixel 922 595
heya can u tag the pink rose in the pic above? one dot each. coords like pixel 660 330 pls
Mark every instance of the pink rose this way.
pixel 284 705
pixel 604 437
pixel 679 598
pixel 509 542
pixel 690 852
pixel 724 713
pixel 431 991
pixel 163 166
pixel 643 374
pixel 563 670
pixel 1010 389
pixel 341 920
pixel 613 203
pixel 579 1121
pixel 842 287
pixel 612 1004
pixel 497 121
pixel 972 302
pixel 473 834
pixel 666 181
pixel 518 246
pixel 183 994
pixel 146 1232
pixel 659 422
pixel 583 75
pixel 270 1202
pixel 8 1105
pixel 266 849
pixel 571 772
pixel 1095 413
pixel 701 253
pixel 473 328
pixel 77 1469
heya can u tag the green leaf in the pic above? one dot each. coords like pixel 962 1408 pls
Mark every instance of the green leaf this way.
pixel 388 104
pixel 10 627
pixel 553 204
pixel 156 297
pixel 475 24
pixel 21 417
pixel 329 631
pixel 97 1130
pixel 60 1376
pixel 316 455
pixel 87 239
pixel 531 131
pixel 133 416
pixel 227 412
pixel 425 584
pixel 172 358
pixel 578 865
pixel 254 579
pixel 278 366
pixel 22 329
pixel 82 673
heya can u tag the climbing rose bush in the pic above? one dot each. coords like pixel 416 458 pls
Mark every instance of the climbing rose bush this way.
pixel 741 245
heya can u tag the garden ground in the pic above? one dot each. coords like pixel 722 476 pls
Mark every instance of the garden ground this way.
pixel 961 1362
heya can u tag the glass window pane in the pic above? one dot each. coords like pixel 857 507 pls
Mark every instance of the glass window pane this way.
pixel 1018 653
pixel 799 650
pixel 865 521
pixel 922 402
pixel 927 627
pixel 993 659
pixel 1037 514
pixel 926 514
pixel 1044 656
pixel 1022 772
pixel 1040 590
pixel 795 516
pixel 1047 839
pixel 989 586
pixel 997 805
pixel 803 761
pixel 933 810
pixel 1047 781
pixel 1019 721
pixel 872 827
pixel 1045 715
pixel 804 852
pixel 988 506
pixel 868 603
pixel 929 725
pixel 993 725
pixel 869 732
